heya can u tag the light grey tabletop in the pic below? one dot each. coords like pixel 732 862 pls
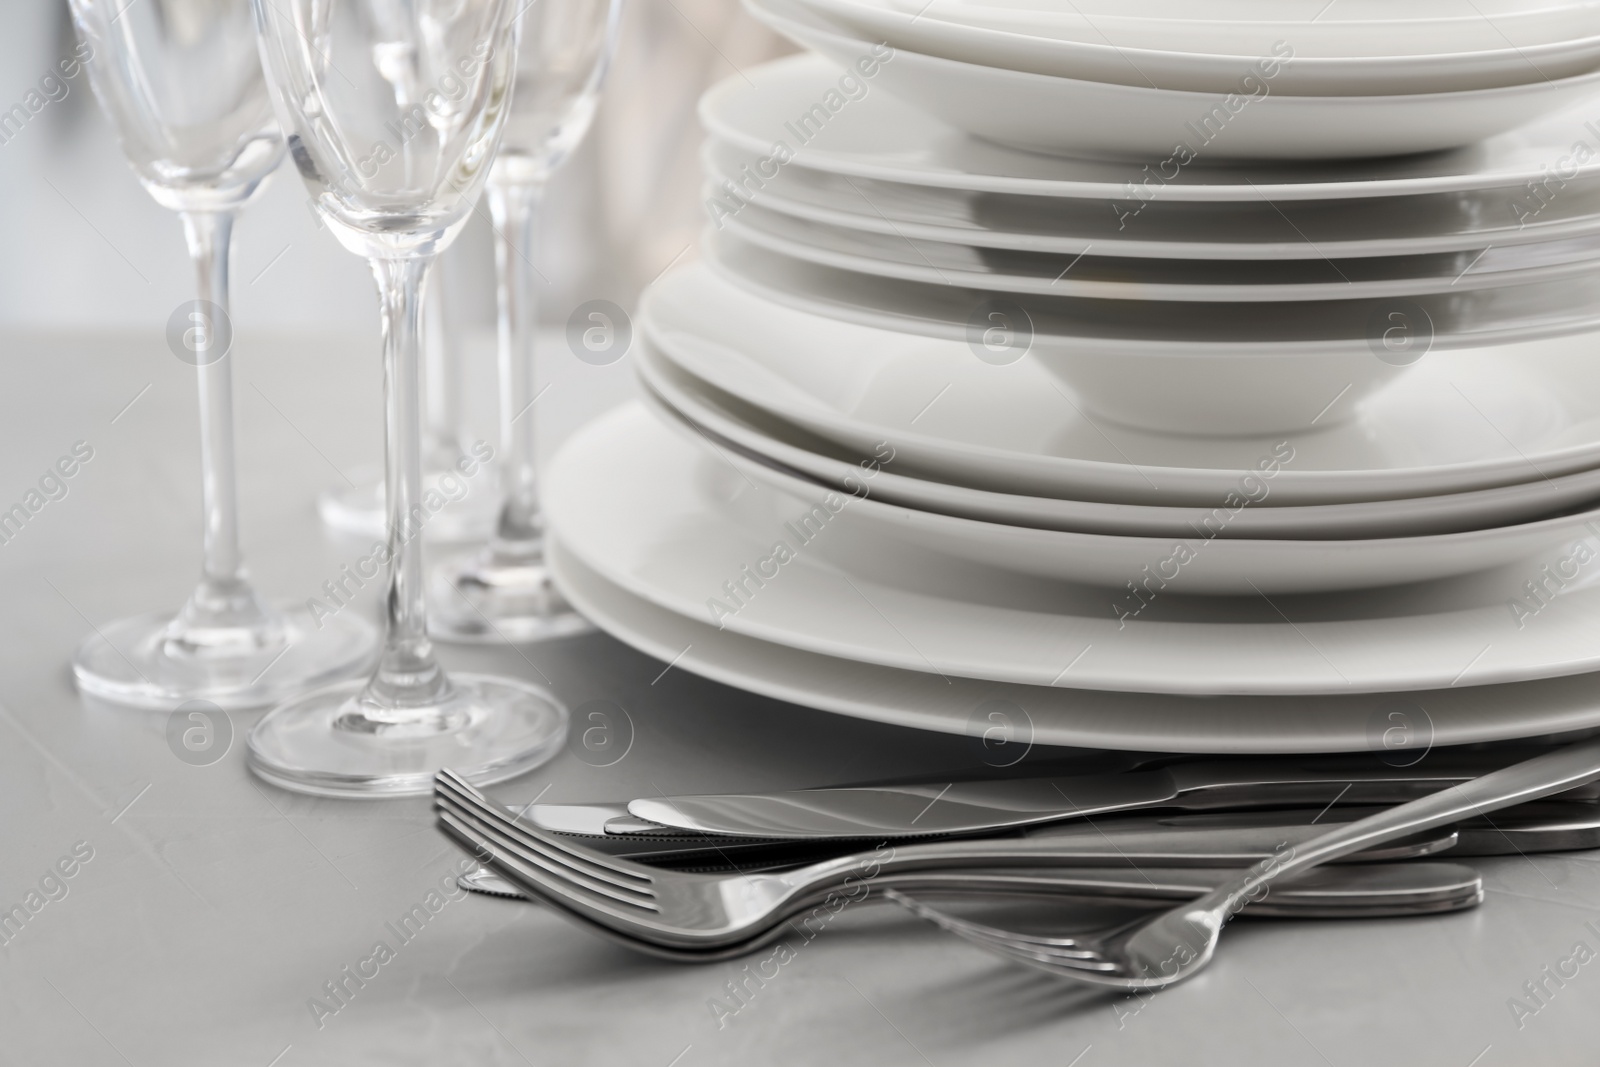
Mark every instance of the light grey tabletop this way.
pixel 213 911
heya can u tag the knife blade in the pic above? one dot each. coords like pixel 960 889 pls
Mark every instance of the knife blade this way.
pixel 990 806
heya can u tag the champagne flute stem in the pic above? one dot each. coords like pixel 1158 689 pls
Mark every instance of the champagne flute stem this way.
pixel 223 609
pixel 441 442
pixel 408 676
pixel 515 207
pixel 209 234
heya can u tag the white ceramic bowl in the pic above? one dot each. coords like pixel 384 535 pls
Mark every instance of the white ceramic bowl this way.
pixel 1221 394
pixel 1460 421
pixel 1208 72
pixel 1261 368
pixel 730 424
pixel 1066 116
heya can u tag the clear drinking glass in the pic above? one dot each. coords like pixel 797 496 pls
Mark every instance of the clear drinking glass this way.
pixel 393 110
pixel 182 84
pixel 504 591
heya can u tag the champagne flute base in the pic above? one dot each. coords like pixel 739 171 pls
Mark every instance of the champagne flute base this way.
pixel 322 743
pixel 476 599
pixel 133 662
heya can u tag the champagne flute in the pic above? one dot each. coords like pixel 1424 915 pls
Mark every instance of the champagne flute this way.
pixel 504 592
pixel 182 85
pixel 394 109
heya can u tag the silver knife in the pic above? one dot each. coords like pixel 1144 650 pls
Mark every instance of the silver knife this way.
pixel 991 806
pixel 1235 839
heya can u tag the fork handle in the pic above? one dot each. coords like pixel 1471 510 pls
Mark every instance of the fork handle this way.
pixel 1566 768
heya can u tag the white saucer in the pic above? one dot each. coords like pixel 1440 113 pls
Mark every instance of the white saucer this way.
pixel 1058 716
pixel 878 136
pixel 680 525
pixel 1458 421
pixel 739 427
pixel 1162 228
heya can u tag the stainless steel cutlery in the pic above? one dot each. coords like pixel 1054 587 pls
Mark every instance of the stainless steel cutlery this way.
pixel 989 806
pixel 688 915
pixel 710 886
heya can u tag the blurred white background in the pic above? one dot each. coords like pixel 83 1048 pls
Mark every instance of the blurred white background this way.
pixel 86 250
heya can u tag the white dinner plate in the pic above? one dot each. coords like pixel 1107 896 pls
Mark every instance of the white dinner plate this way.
pixel 739 427
pixel 1047 715
pixel 1338 30
pixel 878 136
pixel 1350 69
pixel 1298 11
pixel 1458 421
pixel 1198 563
pixel 676 523
pixel 1153 229
pixel 1116 278
pixel 1066 116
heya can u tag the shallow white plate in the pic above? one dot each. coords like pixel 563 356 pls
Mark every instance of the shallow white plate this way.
pixel 1159 229
pixel 878 136
pixel 1299 11
pixel 675 523
pixel 1048 715
pixel 735 426
pixel 1195 563
pixel 1116 278
pixel 1437 65
pixel 1067 116
pixel 1344 29
pixel 1459 421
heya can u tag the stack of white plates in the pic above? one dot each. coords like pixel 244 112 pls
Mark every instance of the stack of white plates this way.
pixel 1257 295
pixel 1227 78
pixel 885 464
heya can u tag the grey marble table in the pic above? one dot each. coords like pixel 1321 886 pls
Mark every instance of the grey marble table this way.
pixel 208 918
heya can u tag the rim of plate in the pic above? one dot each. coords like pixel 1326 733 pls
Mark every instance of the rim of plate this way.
pixel 1137 721
pixel 1258 661
pixel 1018 240
pixel 1109 188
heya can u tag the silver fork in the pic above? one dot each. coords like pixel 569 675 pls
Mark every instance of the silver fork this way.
pixel 1160 950
pixel 702 916
pixel 1048 948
